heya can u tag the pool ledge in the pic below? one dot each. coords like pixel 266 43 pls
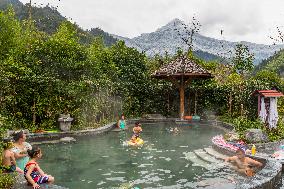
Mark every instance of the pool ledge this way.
pixel 269 177
pixel 54 137
pixel 21 183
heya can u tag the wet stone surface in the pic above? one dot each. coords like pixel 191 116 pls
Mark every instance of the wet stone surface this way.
pixel 21 183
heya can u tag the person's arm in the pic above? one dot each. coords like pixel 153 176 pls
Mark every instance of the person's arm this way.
pixel 229 159
pixel 254 162
pixel 118 123
pixel 13 160
pixel 29 178
pixel 40 170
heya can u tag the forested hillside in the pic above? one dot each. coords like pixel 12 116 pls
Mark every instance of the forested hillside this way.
pixel 274 63
pixel 48 19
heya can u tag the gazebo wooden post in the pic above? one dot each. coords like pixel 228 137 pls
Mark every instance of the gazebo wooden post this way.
pixel 182 87
pixel 181 95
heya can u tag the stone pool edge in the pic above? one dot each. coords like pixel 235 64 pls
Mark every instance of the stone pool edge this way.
pixel 44 138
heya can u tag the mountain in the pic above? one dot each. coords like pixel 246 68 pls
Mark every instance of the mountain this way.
pixel 274 63
pixel 48 19
pixel 167 39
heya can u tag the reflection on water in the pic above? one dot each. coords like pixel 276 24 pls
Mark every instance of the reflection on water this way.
pixel 104 162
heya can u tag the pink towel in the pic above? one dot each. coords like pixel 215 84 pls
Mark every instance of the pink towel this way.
pixel 220 141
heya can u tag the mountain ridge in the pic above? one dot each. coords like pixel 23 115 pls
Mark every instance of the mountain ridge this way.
pixel 166 39
pixel 48 19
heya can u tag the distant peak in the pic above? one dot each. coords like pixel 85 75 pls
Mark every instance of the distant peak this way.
pixel 174 22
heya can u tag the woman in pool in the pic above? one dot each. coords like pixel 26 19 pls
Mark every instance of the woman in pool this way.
pixel 243 164
pixel 20 149
pixel 33 172
pixel 121 122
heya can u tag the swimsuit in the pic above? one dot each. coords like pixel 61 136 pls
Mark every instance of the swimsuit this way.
pixel 9 169
pixel 122 124
pixel 21 162
pixel 35 175
pixel 137 131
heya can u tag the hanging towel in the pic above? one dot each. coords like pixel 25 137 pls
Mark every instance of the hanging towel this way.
pixel 273 114
pixel 262 113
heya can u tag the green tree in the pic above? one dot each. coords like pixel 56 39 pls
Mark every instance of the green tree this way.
pixel 243 59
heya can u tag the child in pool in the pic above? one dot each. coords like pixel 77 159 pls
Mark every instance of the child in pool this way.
pixel 8 159
pixel 137 129
pixel 33 172
pixel 243 164
pixel 134 138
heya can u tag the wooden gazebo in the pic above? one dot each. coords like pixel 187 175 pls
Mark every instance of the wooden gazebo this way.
pixel 181 71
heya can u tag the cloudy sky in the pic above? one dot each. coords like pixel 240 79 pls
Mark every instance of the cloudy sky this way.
pixel 241 20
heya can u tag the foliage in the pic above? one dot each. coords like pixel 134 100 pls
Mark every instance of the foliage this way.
pixel 48 19
pixel 274 64
pixel 243 59
pixel 45 74
pixel 6 180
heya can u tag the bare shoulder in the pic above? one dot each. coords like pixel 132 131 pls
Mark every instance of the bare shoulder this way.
pixel 234 157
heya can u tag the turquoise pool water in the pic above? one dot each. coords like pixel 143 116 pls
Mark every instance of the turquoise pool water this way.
pixel 104 162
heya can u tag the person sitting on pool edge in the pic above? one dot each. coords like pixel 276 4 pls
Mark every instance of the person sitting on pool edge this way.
pixel 243 164
pixel 33 173
pixel 137 129
pixel 8 164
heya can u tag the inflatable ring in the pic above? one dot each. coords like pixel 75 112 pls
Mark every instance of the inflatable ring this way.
pixel 138 142
pixel 187 117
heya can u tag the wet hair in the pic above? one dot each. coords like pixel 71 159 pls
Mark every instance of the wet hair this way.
pixel 18 135
pixel 137 123
pixel 34 152
pixel 7 144
pixel 240 150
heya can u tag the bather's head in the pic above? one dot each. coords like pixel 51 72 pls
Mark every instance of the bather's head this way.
pixel 20 137
pixel 240 153
pixel 137 124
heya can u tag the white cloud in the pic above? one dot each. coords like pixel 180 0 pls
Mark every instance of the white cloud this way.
pixel 241 20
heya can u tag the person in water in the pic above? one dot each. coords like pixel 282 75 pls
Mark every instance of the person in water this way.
pixel 33 172
pixel 20 149
pixel 137 129
pixel 8 158
pixel 134 138
pixel 121 122
pixel 243 164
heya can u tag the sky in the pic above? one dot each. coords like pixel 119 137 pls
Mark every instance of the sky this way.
pixel 241 20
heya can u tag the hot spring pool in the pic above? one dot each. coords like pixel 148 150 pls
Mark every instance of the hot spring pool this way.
pixel 104 162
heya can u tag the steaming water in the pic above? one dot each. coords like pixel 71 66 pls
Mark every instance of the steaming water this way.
pixel 104 162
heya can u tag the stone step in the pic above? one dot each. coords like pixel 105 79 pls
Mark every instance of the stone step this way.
pixel 214 153
pixel 191 156
pixel 206 157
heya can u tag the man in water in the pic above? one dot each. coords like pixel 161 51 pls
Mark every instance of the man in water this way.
pixel 243 164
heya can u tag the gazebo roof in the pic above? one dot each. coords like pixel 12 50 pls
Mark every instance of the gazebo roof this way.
pixel 182 66
pixel 267 93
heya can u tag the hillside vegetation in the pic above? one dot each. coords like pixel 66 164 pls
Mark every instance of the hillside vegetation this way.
pixel 274 63
pixel 48 19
